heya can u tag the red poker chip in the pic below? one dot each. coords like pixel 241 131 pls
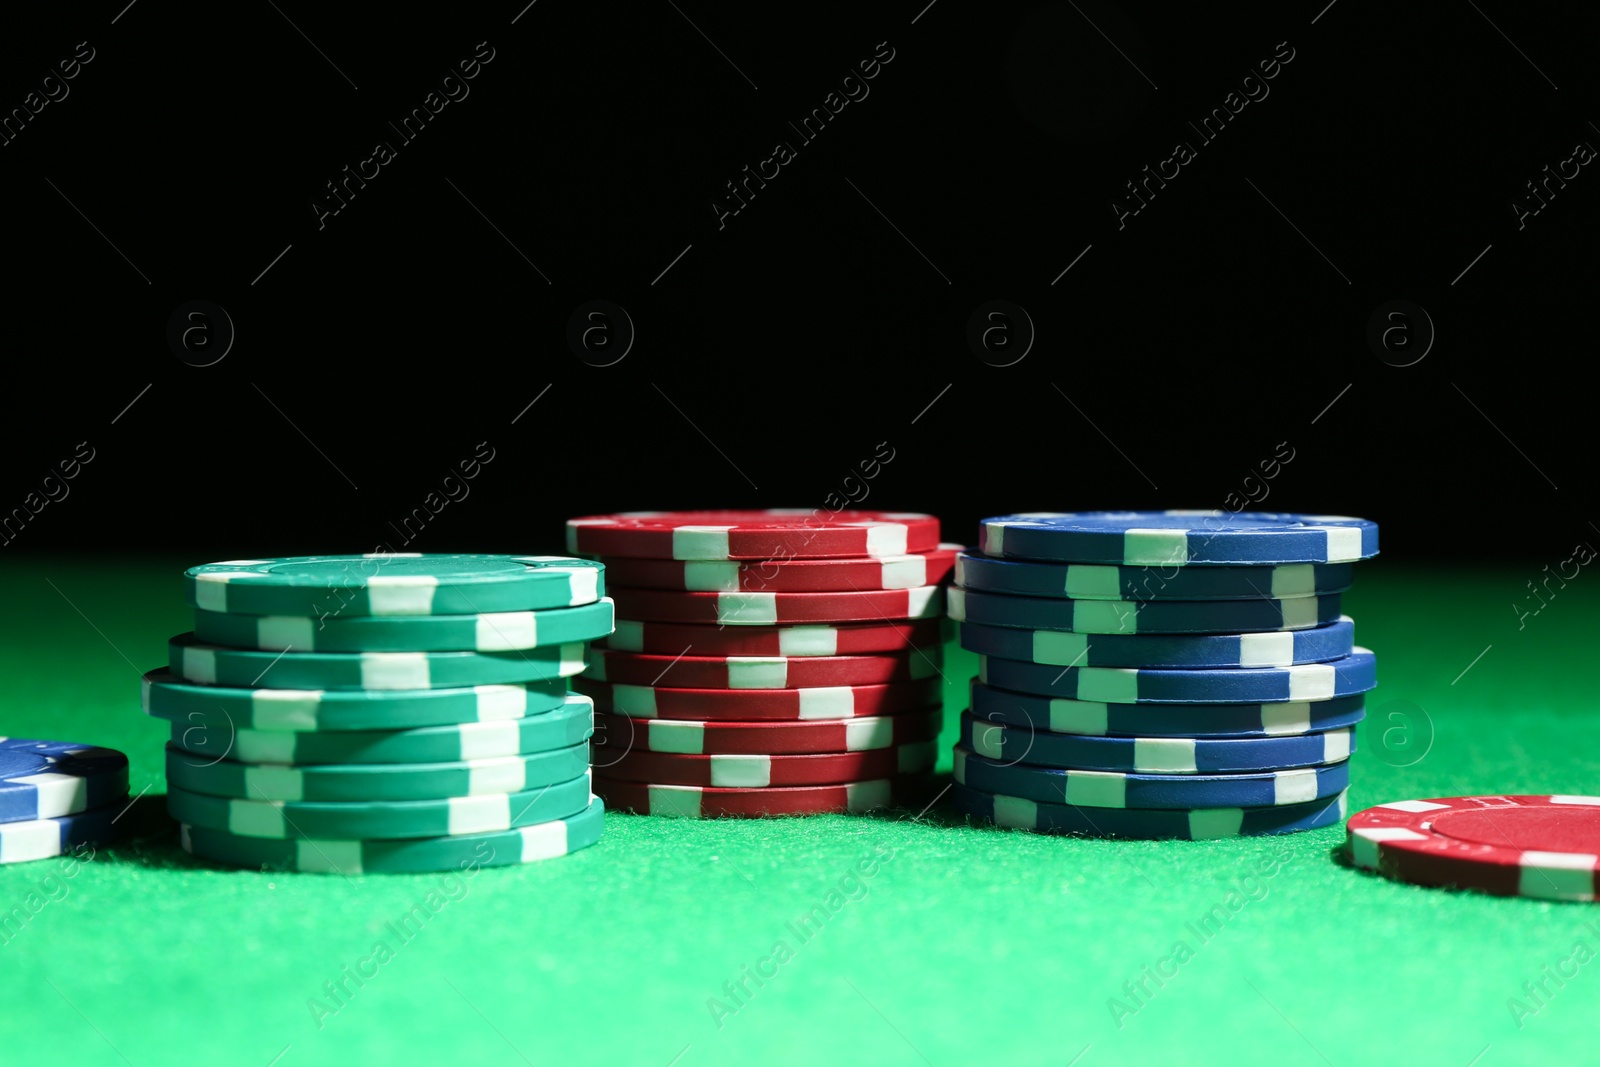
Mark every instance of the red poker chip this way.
pixel 863 734
pixel 778 609
pixel 1525 846
pixel 824 702
pixel 677 639
pixel 771 534
pixel 785 575
pixel 761 672
pixel 761 772
pixel 702 802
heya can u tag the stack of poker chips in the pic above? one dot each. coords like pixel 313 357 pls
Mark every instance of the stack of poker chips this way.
pixel 58 798
pixel 390 713
pixel 766 662
pixel 1160 674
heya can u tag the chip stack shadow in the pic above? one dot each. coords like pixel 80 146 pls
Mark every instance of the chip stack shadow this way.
pixel 1177 674
pixel 383 713
pixel 767 662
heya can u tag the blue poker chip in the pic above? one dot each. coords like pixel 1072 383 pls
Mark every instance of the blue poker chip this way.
pixel 1278 648
pixel 1202 824
pixel 1348 676
pixel 1095 581
pixel 1057 715
pixel 1118 789
pixel 1154 755
pixel 46 779
pixel 42 838
pixel 1141 616
pixel 1179 538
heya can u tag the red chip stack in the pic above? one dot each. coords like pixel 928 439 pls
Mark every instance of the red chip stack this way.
pixel 769 662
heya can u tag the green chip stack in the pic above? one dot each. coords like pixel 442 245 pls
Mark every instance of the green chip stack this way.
pixel 383 713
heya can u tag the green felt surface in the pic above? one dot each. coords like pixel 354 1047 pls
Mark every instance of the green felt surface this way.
pixel 964 946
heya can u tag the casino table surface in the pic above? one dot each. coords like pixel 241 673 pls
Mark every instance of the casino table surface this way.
pixel 929 942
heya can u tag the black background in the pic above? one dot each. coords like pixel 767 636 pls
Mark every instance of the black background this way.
pixel 829 315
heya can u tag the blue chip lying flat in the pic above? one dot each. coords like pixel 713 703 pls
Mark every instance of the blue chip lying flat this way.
pixel 1057 715
pixel 1060 648
pixel 1154 755
pixel 1110 789
pixel 1204 824
pixel 42 838
pixel 1142 616
pixel 1348 676
pixel 1178 538
pixel 46 779
pixel 1095 581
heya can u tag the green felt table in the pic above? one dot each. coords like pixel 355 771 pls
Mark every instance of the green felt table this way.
pixel 963 945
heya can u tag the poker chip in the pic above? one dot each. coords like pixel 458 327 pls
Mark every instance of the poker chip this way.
pixel 762 771
pixel 678 639
pixel 41 780
pixel 1280 648
pixel 38 839
pixel 224 708
pixel 1348 676
pixel 1111 789
pixel 753 535
pixel 786 575
pixel 705 802
pixel 772 609
pixel 823 702
pixel 761 672
pixel 618 732
pixel 1528 846
pixel 206 664
pixel 1154 755
pixel 374 820
pixel 1097 581
pixel 383 713
pixel 393 584
pixel 766 659
pixel 496 775
pixel 1145 616
pixel 465 852
pixel 1201 824
pixel 568 725
pixel 1171 674
pixel 1179 538
pixel 501 631
pixel 1057 715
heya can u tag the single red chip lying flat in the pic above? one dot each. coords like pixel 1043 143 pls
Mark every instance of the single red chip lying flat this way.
pixel 678 639
pixel 742 705
pixel 761 672
pixel 760 772
pixel 701 802
pixel 1527 846
pixel 860 734
pixel 785 575
pixel 774 609
pixel 772 534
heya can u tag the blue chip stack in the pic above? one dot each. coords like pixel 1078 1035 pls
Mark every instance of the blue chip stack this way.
pixel 1182 674
pixel 58 798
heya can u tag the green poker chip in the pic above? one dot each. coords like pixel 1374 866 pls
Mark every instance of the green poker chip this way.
pixel 500 631
pixel 205 664
pixel 225 709
pixel 570 724
pixel 529 844
pixel 341 782
pixel 393 584
pixel 380 819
